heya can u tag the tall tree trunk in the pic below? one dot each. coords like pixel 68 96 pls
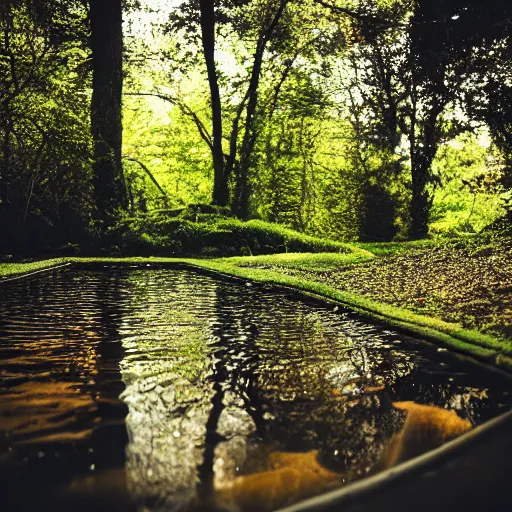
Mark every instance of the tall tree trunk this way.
pixel 220 182
pixel 106 116
pixel 422 156
pixel 420 200
pixel 243 187
pixel 243 191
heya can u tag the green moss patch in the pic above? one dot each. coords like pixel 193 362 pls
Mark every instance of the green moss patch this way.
pixel 316 261
pixel 12 269
pixel 214 235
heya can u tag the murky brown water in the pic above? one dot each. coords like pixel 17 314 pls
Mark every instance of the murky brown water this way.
pixel 213 377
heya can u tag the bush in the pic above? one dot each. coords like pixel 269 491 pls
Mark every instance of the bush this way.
pixel 213 234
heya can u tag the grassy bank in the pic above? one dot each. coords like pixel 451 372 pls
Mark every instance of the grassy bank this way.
pixel 8 270
pixel 214 235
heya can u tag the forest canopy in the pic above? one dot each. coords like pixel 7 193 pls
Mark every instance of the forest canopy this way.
pixel 345 119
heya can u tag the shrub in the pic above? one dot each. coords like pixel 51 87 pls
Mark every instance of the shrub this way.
pixel 213 235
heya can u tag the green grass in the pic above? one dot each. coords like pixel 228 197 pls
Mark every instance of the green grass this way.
pixel 393 248
pixel 307 261
pixel 13 269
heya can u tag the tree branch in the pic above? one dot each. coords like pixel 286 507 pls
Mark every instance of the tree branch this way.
pixel 148 172
pixel 381 21
pixel 185 109
pixel 349 12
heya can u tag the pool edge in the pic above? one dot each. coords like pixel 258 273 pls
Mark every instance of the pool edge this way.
pixel 448 458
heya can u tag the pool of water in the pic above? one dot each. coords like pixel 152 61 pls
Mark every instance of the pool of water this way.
pixel 147 386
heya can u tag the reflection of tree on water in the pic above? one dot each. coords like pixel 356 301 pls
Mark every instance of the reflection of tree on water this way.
pixel 218 376
pixel 328 401
pixel 234 381
pixel 110 439
pixel 291 373
pixel 166 337
pixel 440 385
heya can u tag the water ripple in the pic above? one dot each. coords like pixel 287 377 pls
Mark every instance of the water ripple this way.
pixel 214 377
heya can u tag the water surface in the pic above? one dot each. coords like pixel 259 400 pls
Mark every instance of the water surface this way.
pixel 145 383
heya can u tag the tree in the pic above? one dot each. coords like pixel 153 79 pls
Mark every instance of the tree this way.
pixel 488 90
pixel 273 12
pixel 106 115
pixel 246 19
pixel 286 171
pixel 220 182
pixel 453 41
pixel 410 64
pixel 44 159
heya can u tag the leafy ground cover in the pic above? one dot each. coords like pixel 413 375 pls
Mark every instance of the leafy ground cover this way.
pixel 463 281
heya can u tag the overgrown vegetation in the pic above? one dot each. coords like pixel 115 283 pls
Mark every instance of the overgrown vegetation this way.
pixel 361 121
pixel 192 232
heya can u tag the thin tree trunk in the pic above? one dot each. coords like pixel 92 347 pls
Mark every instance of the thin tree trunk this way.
pixel 220 185
pixel 106 122
pixel 303 179
pixel 418 210
pixel 243 189
pixel 242 194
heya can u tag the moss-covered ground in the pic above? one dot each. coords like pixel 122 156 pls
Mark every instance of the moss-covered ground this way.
pixel 8 270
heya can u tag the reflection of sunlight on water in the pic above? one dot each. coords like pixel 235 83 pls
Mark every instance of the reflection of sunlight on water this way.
pixel 165 448
pixel 47 411
pixel 166 342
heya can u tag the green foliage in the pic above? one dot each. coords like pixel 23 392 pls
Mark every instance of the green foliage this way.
pixel 214 235
pixel 328 146
pixel 330 155
pixel 470 195
pixel 44 125
pixel 167 141
pixel 285 188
